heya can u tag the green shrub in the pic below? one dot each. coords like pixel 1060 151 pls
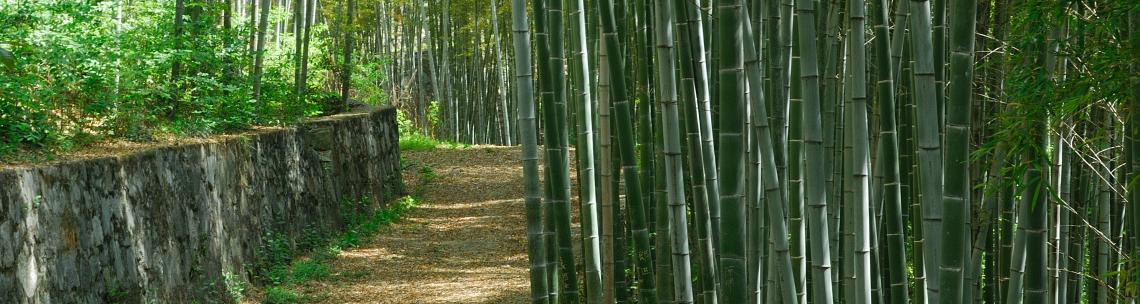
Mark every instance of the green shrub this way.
pixel 368 79
pixel 310 269
pixel 281 295
pixel 235 286
pixel 273 259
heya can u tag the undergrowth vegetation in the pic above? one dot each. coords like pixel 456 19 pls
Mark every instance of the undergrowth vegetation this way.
pixel 416 138
pixel 284 270
pixel 283 274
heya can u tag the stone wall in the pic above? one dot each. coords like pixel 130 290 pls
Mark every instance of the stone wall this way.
pixel 168 224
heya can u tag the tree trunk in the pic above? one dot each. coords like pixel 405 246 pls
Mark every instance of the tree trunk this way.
pixel 346 74
pixel 259 53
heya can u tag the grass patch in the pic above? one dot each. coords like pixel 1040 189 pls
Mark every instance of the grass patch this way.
pixel 281 295
pixel 419 142
pixel 416 142
pixel 311 269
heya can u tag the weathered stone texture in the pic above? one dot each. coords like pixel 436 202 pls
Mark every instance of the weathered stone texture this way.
pixel 164 225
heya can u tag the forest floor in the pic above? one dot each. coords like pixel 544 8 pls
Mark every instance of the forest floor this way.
pixel 464 243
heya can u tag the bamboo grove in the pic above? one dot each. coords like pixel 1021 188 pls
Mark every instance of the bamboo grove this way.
pixel 445 66
pixel 684 151
pixel 829 151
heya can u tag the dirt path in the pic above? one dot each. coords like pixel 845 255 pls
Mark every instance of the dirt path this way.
pixel 465 243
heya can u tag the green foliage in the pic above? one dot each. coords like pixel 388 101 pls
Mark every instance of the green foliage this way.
pixel 235 286
pixel 411 137
pixel 273 259
pixel 368 80
pixel 433 115
pixel 350 211
pixel 419 142
pixel 75 72
pixel 311 269
pixel 427 173
pixel 115 293
pixel 406 125
pixel 350 239
pixel 311 239
pixel 281 295
pixel 365 226
pixel 414 138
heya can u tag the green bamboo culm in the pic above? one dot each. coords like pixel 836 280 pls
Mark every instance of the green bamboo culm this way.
pixel 814 180
pixel 664 233
pixel 956 174
pixel 1103 213
pixel 1017 255
pixel 1133 125
pixel 859 206
pixel 1034 79
pixel 674 173
pixel 706 249
pixel 695 42
pixel 757 234
pixel 1063 255
pixel 623 117
pixel 644 127
pixel 990 206
pixel 606 181
pixel 730 156
pixel 773 195
pixel 587 196
pixel 524 96
pixel 908 155
pixel 1035 201
pixel 938 42
pixel 929 146
pixel 797 228
pixel 551 186
pixel 890 195
pixel 557 147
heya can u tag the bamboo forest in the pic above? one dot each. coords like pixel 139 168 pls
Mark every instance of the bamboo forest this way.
pixel 623 151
